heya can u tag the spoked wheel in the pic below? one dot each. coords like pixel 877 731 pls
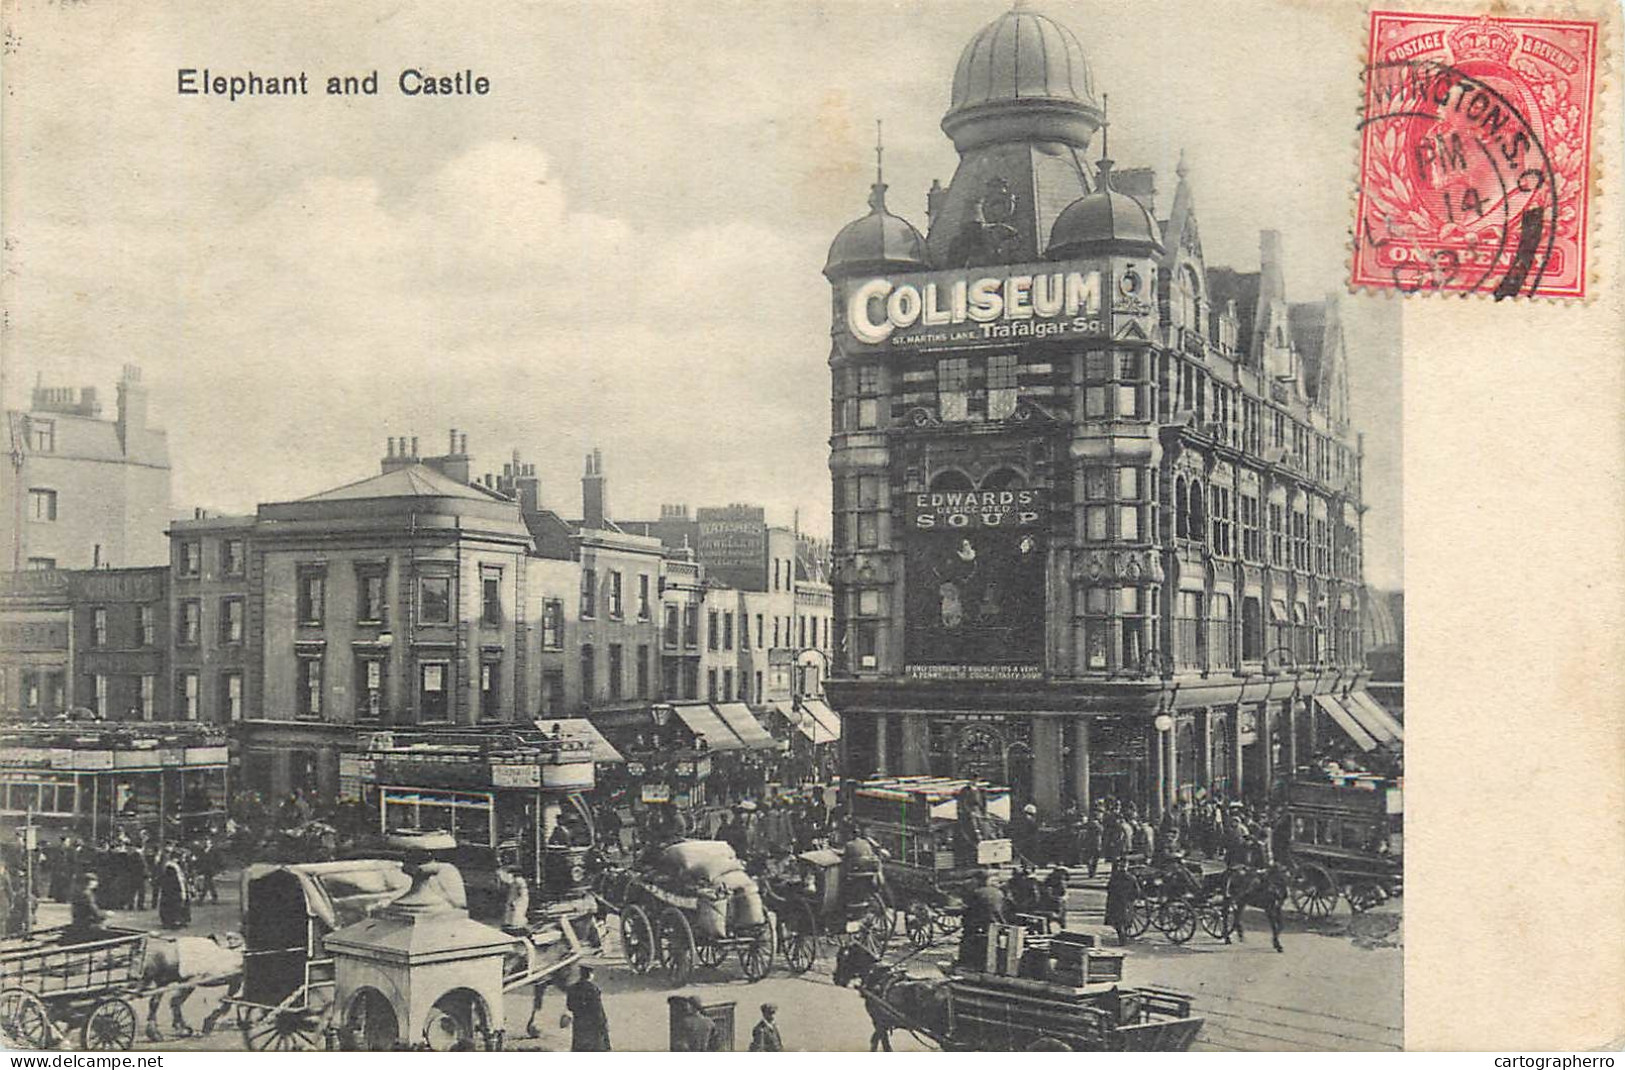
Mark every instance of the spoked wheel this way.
pixel 1363 895
pixel 1177 921
pixel 637 939
pixel 110 1027
pixel 948 922
pixel 1314 891
pixel 710 954
pixel 289 1027
pixel 1215 920
pixel 676 946
pixel 875 927
pixel 1139 917
pixel 921 924
pixel 24 1019
pixel 756 957
pixel 799 938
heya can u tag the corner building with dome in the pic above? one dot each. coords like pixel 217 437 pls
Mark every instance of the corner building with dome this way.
pixel 1097 511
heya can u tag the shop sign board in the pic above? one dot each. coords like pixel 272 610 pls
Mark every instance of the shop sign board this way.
pixel 355 766
pixel 656 793
pixel 93 759
pixel 975 601
pixel 967 307
pixel 509 775
pixel 168 756
pixel 134 759
pixel 207 755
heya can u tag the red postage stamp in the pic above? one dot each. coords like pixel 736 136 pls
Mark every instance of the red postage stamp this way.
pixel 1474 155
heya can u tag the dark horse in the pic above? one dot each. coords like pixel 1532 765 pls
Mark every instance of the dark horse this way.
pixel 1265 888
pixel 893 999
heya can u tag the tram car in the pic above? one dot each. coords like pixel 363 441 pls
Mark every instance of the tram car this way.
pixel 934 851
pixel 1345 839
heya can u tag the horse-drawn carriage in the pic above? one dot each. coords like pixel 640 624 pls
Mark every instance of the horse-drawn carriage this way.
pixel 1345 839
pixel 54 982
pixel 1179 897
pixel 817 901
pixel 690 903
pixel 286 999
pixel 1036 991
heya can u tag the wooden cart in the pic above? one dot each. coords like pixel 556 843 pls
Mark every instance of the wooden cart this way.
pixel 53 982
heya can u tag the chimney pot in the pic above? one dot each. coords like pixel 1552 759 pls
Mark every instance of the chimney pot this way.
pixel 414 447
pixel 462 443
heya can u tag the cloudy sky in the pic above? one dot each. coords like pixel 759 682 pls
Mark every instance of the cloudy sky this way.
pixel 619 246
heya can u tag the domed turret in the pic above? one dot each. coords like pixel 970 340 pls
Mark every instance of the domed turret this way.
pixel 1104 222
pixel 879 242
pixel 1024 76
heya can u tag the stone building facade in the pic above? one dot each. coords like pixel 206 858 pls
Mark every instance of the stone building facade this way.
pixel 1097 509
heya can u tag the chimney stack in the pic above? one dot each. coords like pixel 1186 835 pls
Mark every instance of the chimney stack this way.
pixel 594 493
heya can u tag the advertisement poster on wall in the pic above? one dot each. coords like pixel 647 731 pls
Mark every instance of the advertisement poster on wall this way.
pixel 975 602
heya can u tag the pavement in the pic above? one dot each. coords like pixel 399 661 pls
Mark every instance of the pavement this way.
pixel 1337 986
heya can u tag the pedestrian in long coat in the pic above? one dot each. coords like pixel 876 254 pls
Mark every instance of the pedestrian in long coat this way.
pixel 174 898
pixel 694 1031
pixel 1089 847
pixel 1120 894
pixel 589 1026
pixel 765 1037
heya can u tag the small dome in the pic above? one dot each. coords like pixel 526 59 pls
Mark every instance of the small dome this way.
pixel 878 242
pixel 1104 221
pixel 1024 67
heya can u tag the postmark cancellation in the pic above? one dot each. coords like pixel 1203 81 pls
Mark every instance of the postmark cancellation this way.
pixel 1476 137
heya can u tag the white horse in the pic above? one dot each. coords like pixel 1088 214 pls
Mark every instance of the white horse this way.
pixel 180 965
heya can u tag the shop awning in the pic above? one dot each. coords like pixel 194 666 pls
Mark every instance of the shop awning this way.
pixel 746 726
pixel 829 722
pixel 581 728
pixel 804 725
pixel 1382 724
pixel 703 721
pixel 1334 709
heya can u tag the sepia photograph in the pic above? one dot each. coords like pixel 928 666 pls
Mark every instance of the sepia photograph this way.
pixel 707 527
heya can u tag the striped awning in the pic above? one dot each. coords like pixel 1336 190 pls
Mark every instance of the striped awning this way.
pixel 703 721
pixel 581 728
pixel 1346 721
pixel 804 725
pixel 738 717
pixel 1378 721
pixel 829 722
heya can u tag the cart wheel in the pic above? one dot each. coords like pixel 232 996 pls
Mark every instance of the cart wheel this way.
pixel 1363 895
pixel 1177 921
pixel 756 957
pixel 637 939
pixel 1314 891
pixel 296 1025
pixel 710 954
pixel 676 946
pixel 110 1027
pixel 948 922
pixel 920 924
pixel 800 940
pixel 24 1019
pixel 1215 919
pixel 1139 917
pixel 875 927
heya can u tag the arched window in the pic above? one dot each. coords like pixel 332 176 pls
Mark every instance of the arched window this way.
pixel 1198 511
pixel 1000 479
pixel 952 479
pixel 1190 300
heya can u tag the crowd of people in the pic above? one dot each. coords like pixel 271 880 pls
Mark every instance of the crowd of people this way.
pixel 121 873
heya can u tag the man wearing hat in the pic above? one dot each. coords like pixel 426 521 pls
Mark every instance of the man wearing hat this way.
pixel 1024 833
pixel 584 1006
pixel 765 1037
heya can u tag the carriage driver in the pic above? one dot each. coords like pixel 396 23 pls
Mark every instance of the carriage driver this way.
pixel 860 865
